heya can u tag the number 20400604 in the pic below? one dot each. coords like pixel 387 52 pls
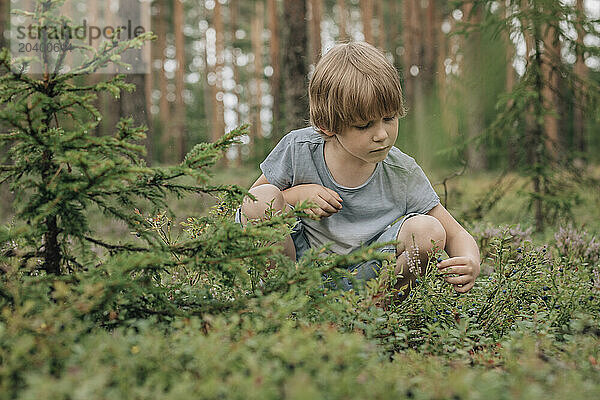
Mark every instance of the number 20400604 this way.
pixel 48 47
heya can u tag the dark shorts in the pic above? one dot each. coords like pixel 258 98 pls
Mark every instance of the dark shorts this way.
pixel 363 271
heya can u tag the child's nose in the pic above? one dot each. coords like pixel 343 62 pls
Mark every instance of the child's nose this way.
pixel 380 132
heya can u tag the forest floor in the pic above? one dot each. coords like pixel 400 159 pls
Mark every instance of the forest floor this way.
pixel 504 199
pixel 528 329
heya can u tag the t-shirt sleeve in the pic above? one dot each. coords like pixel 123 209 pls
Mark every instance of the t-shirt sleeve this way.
pixel 421 197
pixel 278 167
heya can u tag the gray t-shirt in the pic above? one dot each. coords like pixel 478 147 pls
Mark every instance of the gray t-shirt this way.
pixel 397 187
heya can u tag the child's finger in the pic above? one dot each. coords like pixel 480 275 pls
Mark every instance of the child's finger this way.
pixel 311 214
pixel 449 262
pixel 458 280
pixel 464 288
pixel 331 199
pixel 325 206
pixel 456 269
pixel 334 194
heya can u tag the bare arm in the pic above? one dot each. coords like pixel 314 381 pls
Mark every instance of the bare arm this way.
pixel 260 181
pixel 290 194
pixel 463 251
pixel 328 201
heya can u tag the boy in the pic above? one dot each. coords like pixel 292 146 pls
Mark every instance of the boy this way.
pixel 366 190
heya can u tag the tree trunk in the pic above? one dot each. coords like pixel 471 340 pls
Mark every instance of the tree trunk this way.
pixel 448 90
pixel 343 14
pixel 429 45
pixel 381 36
pixel 233 26
pixel 5 194
pixel 179 133
pixel 110 107
pixel 551 57
pixel 150 84
pixel 475 154
pixel 366 12
pixel 164 106
pixel 276 64
pixel 315 29
pixel 509 85
pixel 412 45
pixel 295 66
pixel 220 54
pixel 537 159
pixel 257 50
pixel 581 71
pixel 4 22
pixel 134 104
pixel 209 89
pixel 393 33
pixel 92 79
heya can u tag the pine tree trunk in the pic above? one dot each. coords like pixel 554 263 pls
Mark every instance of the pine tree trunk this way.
pixel 530 144
pixel 4 22
pixel 93 78
pixel 218 93
pixel 429 44
pixel 295 65
pixel 381 32
pixel 411 46
pixel 233 26
pixel 537 137
pixel 52 253
pixel 5 194
pixel 164 111
pixel 415 87
pixel 276 64
pixel 134 104
pixel 343 14
pixel 257 50
pixel 149 81
pixel 110 107
pixel 476 159
pixel 366 12
pixel 581 71
pixel 315 29
pixel 509 85
pixel 551 56
pixel 448 90
pixel 209 87
pixel 179 131
pixel 393 36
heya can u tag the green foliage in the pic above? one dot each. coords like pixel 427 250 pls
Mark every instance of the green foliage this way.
pixel 201 313
pixel 520 120
pixel 530 327
pixel 58 170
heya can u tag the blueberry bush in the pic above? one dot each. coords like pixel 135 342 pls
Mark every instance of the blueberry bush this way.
pixel 192 309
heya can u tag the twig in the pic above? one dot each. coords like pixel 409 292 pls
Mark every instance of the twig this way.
pixel 116 247
pixel 445 182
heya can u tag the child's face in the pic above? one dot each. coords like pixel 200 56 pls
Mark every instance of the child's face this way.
pixel 370 141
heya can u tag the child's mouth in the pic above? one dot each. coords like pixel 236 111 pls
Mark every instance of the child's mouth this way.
pixel 378 150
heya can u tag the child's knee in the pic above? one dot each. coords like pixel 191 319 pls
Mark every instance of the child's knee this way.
pixel 424 231
pixel 267 196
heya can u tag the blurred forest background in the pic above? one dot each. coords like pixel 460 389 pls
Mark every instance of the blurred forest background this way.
pixel 218 64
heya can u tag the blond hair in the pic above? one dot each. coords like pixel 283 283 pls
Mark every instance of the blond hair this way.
pixel 353 82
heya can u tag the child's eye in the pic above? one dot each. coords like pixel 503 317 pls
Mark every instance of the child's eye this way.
pixel 363 127
pixel 389 119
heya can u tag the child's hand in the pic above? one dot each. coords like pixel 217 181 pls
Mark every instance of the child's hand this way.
pixel 465 267
pixel 329 201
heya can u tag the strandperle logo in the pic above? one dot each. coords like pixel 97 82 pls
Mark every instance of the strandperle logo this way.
pixel 83 32
pixel 65 38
